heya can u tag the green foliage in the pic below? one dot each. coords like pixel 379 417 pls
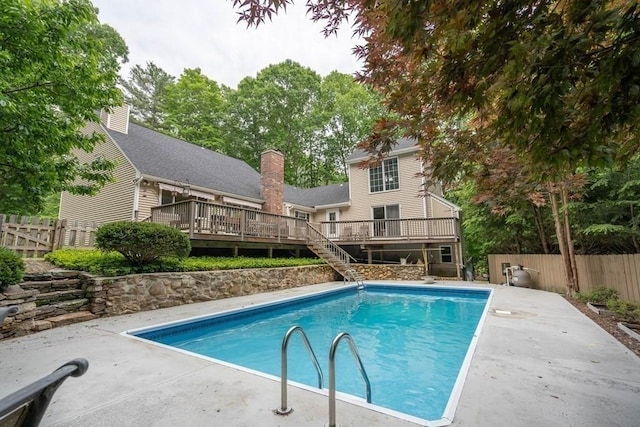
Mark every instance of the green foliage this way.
pixel 599 295
pixel 11 268
pixel 607 215
pixel 193 108
pixel 59 67
pixel 115 264
pixel 485 232
pixel 315 122
pixel 142 242
pixel 273 110
pixel 144 91
pixel 347 111
pixel 624 311
pixel 51 206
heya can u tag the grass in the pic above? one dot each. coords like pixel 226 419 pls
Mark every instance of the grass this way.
pixel 114 264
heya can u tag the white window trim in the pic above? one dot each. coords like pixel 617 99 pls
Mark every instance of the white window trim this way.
pixel 382 165
pixel 451 254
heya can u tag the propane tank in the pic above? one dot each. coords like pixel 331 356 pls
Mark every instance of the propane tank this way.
pixel 521 278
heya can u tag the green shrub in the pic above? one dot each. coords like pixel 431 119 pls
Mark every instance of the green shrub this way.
pixel 11 268
pixel 115 264
pixel 624 311
pixel 599 295
pixel 142 243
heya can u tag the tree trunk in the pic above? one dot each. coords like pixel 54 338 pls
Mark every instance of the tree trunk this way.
pixel 537 215
pixel 568 272
pixel 569 240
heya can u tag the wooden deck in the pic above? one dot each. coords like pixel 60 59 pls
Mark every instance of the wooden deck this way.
pixel 212 224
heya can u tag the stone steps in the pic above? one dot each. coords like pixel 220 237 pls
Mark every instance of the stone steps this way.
pixel 61 308
pixel 69 318
pixel 54 297
pixel 52 285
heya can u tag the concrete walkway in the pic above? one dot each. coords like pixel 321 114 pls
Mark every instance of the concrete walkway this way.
pixel 546 364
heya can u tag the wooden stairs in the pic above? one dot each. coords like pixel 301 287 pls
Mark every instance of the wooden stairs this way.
pixel 333 254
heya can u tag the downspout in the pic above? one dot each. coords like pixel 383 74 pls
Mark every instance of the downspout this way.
pixel 136 197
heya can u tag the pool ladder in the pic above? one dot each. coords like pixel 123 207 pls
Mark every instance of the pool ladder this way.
pixel 351 274
pixel 283 409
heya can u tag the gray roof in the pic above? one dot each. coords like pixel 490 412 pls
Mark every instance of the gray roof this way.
pixel 318 196
pixel 162 156
pixel 401 144
pixel 172 159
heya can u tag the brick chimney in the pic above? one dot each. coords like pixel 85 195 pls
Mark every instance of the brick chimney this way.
pixel 272 181
pixel 117 119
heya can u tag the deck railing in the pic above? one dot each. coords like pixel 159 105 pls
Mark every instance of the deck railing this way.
pixel 197 217
pixel 391 229
pixel 204 217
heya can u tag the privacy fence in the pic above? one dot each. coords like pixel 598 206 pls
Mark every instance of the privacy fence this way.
pixel 31 236
pixel 620 272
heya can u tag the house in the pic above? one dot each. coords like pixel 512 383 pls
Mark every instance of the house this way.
pixel 382 214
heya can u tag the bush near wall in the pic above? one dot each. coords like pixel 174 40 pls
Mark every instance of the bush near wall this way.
pixel 11 268
pixel 115 264
pixel 143 243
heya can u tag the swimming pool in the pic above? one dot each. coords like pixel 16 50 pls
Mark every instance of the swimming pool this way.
pixel 415 341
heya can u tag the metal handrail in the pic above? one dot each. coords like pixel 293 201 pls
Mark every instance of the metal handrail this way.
pixel 352 274
pixel 332 374
pixel 283 409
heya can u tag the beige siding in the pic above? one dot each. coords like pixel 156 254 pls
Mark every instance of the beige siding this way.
pixel 147 199
pixel 408 196
pixel 438 209
pixel 116 200
pixel 117 119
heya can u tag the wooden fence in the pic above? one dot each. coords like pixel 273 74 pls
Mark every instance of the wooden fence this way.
pixel 620 272
pixel 34 236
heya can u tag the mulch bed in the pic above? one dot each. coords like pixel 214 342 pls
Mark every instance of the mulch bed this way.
pixel 609 324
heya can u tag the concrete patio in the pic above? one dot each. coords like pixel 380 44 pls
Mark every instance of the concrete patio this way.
pixel 546 364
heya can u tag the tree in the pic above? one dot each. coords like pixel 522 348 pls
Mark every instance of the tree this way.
pixel 144 90
pixel 59 67
pixel 557 83
pixel 193 108
pixel 316 122
pixel 274 110
pixel 348 111
pixel 607 216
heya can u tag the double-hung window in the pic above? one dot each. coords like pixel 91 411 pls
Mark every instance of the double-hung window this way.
pixel 385 176
pixel 446 254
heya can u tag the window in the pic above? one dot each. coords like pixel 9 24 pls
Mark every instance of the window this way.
pixel 302 215
pixel 385 176
pixel 446 254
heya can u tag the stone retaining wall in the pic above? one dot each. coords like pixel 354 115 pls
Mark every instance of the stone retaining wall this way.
pixel 390 271
pixel 141 292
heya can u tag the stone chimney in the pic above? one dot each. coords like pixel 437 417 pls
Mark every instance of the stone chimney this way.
pixel 272 181
pixel 117 119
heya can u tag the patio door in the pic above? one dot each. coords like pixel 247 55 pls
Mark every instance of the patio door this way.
pixel 332 227
pixel 382 227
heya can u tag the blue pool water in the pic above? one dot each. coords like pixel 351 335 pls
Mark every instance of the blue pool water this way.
pixel 412 341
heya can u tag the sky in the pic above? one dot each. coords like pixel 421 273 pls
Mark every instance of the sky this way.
pixel 205 34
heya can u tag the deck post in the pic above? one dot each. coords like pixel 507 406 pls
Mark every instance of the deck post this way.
pixel 457 259
pixel 192 215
